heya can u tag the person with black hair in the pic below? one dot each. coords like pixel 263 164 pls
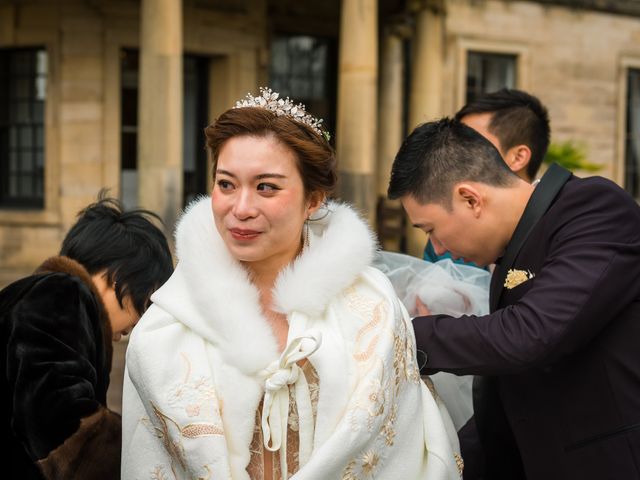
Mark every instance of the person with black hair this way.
pixel 560 343
pixel 517 124
pixel 57 326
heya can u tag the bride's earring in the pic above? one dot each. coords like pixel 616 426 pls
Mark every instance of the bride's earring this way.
pixel 306 232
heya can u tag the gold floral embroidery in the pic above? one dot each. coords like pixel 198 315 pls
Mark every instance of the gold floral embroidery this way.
pixel 172 444
pixel 195 430
pixel 430 385
pixel 370 462
pixel 364 467
pixel 368 335
pixel 516 277
pixel 197 398
pixel 382 378
pixel 459 463
pixel 388 432
pixel 158 473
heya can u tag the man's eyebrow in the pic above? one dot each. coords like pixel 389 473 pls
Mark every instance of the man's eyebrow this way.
pixel 420 225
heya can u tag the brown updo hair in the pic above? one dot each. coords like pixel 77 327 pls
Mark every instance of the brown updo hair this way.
pixel 316 159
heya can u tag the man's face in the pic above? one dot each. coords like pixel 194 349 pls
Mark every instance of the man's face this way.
pixel 462 231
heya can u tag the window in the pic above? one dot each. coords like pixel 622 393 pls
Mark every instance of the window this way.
pixel 23 91
pixel 488 72
pixel 632 134
pixel 195 118
pixel 304 68
pixel 196 113
pixel 129 128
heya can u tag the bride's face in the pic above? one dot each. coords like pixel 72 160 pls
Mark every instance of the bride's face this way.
pixel 258 201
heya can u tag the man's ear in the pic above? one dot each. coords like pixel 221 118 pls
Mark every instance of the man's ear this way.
pixel 470 196
pixel 518 158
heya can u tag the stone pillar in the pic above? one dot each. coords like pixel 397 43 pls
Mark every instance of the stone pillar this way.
pixel 160 109
pixel 357 104
pixel 390 102
pixel 390 134
pixel 425 102
pixel 426 79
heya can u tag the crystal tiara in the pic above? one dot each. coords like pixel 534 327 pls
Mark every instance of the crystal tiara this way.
pixel 270 100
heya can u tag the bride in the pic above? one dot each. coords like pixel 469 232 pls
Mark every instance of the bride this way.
pixel 275 350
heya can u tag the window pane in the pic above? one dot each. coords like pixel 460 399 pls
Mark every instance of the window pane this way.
pixel 26 163
pixel 22 159
pixel 632 134
pixel 39 137
pixel 195 114
pixel 303 67
pixel 488 72
pixel 26 134
pixel 129 128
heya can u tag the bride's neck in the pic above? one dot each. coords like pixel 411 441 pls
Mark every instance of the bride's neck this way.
pixel 277 320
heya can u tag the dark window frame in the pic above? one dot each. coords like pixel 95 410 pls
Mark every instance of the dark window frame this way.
pixel 328 99
pixel 632 133
pixel 22 128
pixel 474 91
pixel 194 181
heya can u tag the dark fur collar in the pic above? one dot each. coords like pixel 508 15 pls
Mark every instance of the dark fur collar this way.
pixel 61 264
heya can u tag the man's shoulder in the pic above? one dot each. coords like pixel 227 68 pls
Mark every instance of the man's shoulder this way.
pixel 593 194
pixel 595 185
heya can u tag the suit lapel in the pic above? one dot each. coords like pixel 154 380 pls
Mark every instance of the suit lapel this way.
pixel 540 201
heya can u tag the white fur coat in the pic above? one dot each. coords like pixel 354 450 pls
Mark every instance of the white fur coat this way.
pixel 203 356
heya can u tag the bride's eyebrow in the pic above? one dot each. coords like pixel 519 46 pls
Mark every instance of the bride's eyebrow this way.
pixel 258 177
pixel 225 172
pixel 270 175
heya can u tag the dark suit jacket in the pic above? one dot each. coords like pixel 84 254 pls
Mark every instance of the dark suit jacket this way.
pixel 563 346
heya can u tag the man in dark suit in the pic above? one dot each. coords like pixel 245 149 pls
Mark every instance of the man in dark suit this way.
pixel 517 124
pixel 561 340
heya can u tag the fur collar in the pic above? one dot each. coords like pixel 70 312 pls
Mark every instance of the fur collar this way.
pixel 210 292
pixel 62 264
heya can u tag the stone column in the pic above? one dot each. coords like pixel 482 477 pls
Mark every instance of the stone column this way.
pixel 390 103
pixel 425 102
pixel 160 109
pixel 390 133
pixel 426 78
pixel 357 104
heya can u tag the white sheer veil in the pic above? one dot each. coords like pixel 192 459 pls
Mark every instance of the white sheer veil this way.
pixel 446 288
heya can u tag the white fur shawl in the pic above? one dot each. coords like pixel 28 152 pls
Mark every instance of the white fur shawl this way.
pixel 208 279
pixel 197 360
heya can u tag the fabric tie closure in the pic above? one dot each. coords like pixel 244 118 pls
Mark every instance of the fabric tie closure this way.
pixel 275 407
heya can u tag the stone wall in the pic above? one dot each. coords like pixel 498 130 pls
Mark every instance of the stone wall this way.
pixel 573 59
pixel 84 40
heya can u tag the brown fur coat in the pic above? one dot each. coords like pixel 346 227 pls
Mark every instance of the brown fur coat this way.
pixel 57 353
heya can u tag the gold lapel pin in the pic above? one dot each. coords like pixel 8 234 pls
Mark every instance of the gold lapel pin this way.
pixel 516 277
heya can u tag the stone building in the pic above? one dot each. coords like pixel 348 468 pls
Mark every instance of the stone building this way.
pixel 115 93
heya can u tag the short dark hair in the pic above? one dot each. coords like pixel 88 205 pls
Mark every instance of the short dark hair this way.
pixel 518 118
pixel 316 159
pixel 126 244
pixel 439 154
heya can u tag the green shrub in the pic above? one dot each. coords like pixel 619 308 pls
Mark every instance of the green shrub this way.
pixel 570 156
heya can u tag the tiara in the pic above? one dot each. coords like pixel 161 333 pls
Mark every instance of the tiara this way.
pixel 270 100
